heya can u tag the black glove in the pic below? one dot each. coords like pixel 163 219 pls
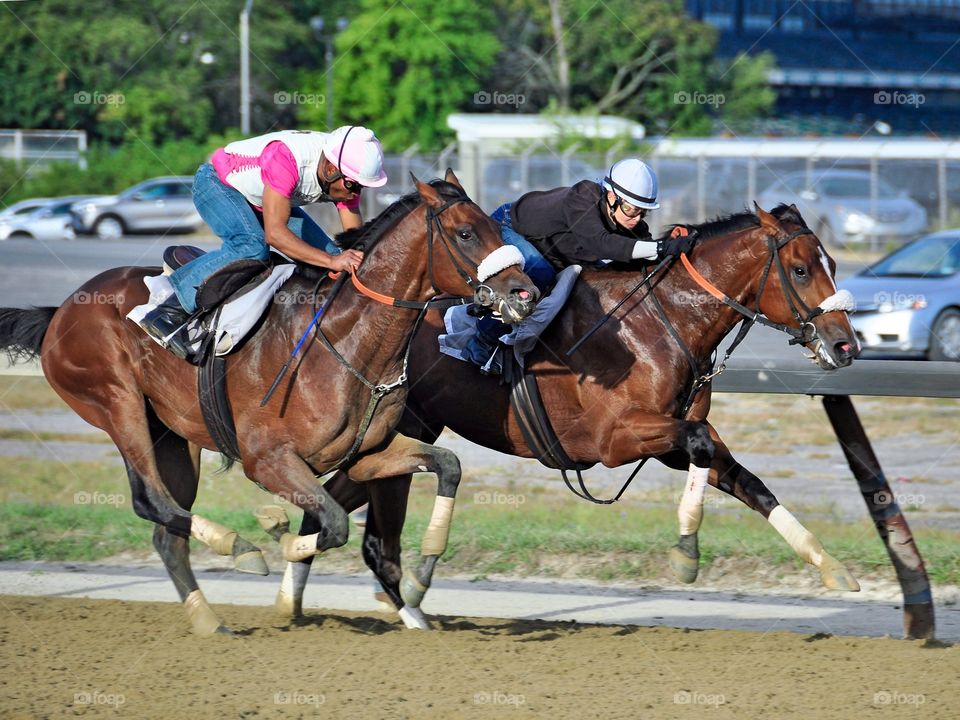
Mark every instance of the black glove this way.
pixel 672 247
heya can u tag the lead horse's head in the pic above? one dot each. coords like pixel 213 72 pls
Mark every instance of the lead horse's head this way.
pixel 465 252
pixel 798 289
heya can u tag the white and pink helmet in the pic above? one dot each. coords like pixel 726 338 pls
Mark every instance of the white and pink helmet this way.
pixel 357 153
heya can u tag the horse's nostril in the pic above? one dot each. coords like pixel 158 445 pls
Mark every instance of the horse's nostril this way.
pixel 844 349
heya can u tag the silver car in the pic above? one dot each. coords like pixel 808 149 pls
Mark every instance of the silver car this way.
pixel 908 304
pixel 42 219
pixel 159 205
pixel 838 207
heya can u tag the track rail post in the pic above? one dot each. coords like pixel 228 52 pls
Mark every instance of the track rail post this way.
pixel 918 617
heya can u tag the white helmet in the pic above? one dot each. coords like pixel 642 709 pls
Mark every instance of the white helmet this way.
pixel 635 182
pixel 357 153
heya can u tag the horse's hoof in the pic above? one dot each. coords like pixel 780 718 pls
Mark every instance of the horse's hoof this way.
pixel 414 619
pixel 835 576
pixel 412 591
pixel 684 568
pixel 224 630
pixel 251 562
pixel 273 519
pixel 285 606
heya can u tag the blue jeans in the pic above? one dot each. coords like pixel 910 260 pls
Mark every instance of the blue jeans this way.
pixel 240 227
pixel 535 265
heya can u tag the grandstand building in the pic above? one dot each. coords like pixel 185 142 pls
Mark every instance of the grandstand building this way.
pixel 845 65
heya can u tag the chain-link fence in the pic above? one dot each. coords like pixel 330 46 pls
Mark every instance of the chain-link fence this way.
pixel 853 193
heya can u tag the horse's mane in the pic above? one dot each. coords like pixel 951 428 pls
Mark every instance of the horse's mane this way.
pixel 371 230
pixel 726 224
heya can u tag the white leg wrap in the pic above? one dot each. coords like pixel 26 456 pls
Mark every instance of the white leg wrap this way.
pixel 690 511
pixel 413 618
pixel 216 536
pixel 203 619
pixel 298 547
pixel 438 530
pixel 290 597
pixel 804 543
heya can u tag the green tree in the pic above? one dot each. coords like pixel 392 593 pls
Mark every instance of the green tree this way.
pixel 401 68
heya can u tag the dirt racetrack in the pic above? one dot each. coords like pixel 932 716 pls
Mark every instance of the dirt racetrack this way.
pixel 105 658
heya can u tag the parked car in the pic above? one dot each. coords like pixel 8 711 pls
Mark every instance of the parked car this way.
pixel 40 220
pixel 158 205
pixel 23 207
pixel 837 205
pixel 908 303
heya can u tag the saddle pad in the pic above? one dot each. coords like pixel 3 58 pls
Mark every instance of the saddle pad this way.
pixel 461 327
pixel 236 317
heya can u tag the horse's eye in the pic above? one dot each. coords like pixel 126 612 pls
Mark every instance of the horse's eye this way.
pixel 464 233
pixel 800 271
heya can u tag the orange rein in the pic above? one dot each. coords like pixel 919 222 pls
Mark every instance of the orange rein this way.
pixel 364 290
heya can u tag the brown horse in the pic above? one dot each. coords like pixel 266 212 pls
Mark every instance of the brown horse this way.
pixel 432 241
pixel 620 397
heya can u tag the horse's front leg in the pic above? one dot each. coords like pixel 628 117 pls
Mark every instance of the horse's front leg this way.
pixel 401 456
pixel 731 477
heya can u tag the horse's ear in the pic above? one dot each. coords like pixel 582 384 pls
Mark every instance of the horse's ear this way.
pixel 451 178
pixel 767 221
pixel 428 193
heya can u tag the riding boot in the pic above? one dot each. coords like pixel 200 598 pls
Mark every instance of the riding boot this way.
pixel 164 324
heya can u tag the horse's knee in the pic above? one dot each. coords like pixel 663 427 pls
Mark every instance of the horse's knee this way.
pixel 699 445
pixel 448 471
pixel 335 529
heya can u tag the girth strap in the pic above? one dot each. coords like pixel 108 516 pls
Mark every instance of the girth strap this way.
pixel 214 402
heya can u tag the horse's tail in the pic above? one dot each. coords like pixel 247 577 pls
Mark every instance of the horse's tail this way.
pixel 22 331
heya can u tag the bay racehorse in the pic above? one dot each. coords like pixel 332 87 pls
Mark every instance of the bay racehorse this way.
pixel 621 396
pixel 432 241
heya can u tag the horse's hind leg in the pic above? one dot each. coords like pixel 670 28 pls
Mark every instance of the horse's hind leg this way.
pixel 349 495
pixel 731 477
pixel 404 455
